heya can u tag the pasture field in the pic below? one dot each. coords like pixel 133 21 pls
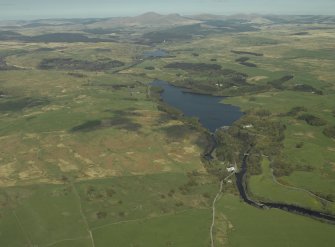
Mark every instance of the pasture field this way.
pixel 248 226
pixel 160 231
pixel 266 187
pixel 65 214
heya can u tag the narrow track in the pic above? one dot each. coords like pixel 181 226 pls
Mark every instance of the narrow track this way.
pixel 217 197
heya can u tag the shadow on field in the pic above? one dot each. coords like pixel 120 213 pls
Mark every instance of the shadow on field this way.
pixel 73 64
pixel 15 105
pixel 121 120
pixel 177 132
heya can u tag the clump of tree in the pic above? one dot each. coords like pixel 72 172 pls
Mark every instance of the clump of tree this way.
pixel 5 66
pixel 155 93
pixel 78 75
pixel 193 66
pixel 110 192
pixel 149 68
pixel 206 195
pixel 307 88
pixel 214 81
pixel 299 145
pixel 329 131
pixel 304 168
pixel 172 111
pixel 122 214
pixel 186 188
pixel 262 113
pixel 328 197
pixel 296 110
pixel 93 193
pixel 252 98
pixel 171 193
pixel 254 162
pixel 281 167
pixel 312 120
pixel 228 146
pixel 193 122
pixel 101 215
pixel 263 136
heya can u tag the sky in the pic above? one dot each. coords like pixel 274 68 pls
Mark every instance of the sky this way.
pixel 40 9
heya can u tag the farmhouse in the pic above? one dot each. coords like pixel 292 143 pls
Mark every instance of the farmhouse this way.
pixel 231 169
pixel 248 126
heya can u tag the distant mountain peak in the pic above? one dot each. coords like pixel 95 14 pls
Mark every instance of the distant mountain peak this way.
pixel 148 19
pixel 150 14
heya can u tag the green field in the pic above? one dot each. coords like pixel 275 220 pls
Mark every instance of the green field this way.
pixel 57 215
pixel 185 229
pixel 252 227
pixel 266 187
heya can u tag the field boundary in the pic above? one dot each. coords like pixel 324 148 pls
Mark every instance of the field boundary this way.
pixel 297 188
pixel 83 216
pixel 146 218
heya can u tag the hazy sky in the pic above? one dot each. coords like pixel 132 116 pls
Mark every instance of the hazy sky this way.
pixel 34 9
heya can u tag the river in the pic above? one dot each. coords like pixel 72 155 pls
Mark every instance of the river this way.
pixel 213 113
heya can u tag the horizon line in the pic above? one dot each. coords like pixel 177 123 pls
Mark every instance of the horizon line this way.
pixel 163 14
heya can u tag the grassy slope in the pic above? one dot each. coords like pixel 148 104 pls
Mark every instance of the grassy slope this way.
pixel 44 213
pixel 186 229
pixel 51 214
pixel 138 197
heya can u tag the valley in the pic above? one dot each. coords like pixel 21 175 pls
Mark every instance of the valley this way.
pixel 92 154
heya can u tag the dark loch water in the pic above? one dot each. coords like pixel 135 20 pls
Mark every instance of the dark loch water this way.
pixel 210 110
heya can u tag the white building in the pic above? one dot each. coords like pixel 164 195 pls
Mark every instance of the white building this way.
pixel 231 169
pixel 248 126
